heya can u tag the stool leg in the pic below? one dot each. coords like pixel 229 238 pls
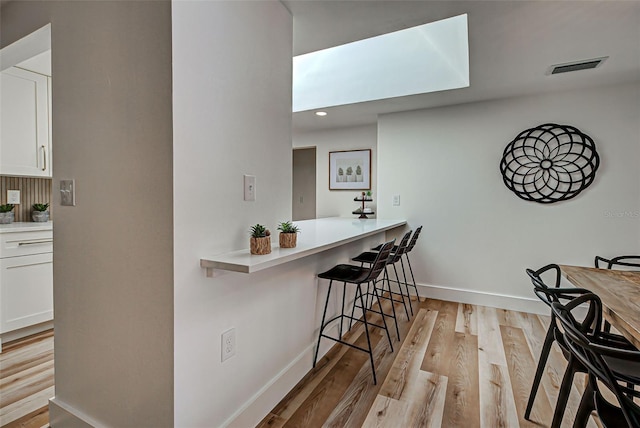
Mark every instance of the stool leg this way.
pixel 344 291
pixel 393 305
pixel 384 321
pixel 404 303
pixel 413 278
pixel 400 287
pixel 324 315
pixel 406 282
pixel 366 330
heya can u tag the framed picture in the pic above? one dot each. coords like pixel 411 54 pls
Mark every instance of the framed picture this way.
pixel 350 170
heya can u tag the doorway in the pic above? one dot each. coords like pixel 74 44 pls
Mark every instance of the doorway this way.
pixel 304 184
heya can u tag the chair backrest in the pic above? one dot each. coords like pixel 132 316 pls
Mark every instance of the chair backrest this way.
pixel 380 261
pixel 400 249
pixel 414 238
pixel 550 294
pixel 583 343
pixel 620 262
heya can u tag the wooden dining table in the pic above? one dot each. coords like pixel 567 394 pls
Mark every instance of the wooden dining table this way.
pixel 619 292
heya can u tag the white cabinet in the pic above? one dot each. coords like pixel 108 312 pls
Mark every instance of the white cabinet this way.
pixel 26 279
pixel 25 142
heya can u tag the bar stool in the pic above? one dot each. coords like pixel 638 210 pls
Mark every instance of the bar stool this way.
pixel 357 275
pixel 412 243
pixel 368 257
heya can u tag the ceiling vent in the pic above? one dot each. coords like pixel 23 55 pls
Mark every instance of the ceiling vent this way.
pixel 576 65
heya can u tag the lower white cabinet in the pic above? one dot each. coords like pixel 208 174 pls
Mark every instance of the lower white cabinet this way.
pixel 26 291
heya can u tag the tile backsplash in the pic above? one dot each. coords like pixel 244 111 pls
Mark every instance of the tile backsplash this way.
pixel 32 191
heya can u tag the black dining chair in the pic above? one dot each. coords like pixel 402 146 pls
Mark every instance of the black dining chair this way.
pixel 395 256
pixel 617 263
pixel 616 365
pixel 356 275
pixel 549 295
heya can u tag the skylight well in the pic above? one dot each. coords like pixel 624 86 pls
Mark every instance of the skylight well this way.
pixel 427 58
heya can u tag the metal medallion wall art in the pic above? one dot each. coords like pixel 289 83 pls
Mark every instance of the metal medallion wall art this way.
pixel 549 163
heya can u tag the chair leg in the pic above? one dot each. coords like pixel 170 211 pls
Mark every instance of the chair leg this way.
pixel 393 305
pixel 404 303
pixel 544 355
pixel 587 405
pixel 324 315
pixel 344 292
pixel 366 330
pixel 406 283
pixel 565 390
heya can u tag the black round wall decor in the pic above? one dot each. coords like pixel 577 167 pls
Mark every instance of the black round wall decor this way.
pixel 549 163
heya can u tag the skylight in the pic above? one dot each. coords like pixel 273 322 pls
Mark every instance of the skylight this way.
pixel 427 58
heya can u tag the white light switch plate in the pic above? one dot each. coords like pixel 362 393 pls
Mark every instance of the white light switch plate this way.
pixel 13 196
pixel 68 193
pixel 249 188
pixel 396 200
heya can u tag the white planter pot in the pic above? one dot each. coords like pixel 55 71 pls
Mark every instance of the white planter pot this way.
pixel 40 216
pixel 6 218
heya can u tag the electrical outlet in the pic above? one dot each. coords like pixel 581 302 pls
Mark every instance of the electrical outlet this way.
pixel 13 196
pixel 396 200
pixel 228 344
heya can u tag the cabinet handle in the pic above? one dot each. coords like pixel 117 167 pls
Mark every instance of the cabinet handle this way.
pixel 20 244
pixel 44 157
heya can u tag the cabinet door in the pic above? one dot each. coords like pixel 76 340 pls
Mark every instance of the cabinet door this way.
pixel 26 291
pixel 24 124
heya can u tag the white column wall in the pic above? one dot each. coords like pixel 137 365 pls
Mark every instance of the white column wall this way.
pixel 478 237
pixel 338 203
pixel 232 116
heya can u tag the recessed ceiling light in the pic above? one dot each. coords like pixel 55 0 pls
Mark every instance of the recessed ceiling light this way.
pixel 321 113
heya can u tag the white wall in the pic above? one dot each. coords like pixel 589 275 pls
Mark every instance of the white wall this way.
pixel 478 236
pixel 113 251
pixel 331 203
pixel 232 116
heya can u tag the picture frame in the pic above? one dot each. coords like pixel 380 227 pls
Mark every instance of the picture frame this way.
pixel 344 166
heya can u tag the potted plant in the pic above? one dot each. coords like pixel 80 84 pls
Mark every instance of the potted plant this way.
pixel 349 174
pixel 340 175
pixel 260 241
pixel 288 237
pixel 40 212
pixel 6 214
pixel 358 173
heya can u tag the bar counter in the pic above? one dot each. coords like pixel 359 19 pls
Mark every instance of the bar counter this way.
pixel 315 236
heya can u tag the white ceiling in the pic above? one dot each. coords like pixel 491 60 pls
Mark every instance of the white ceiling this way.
pixel 511 45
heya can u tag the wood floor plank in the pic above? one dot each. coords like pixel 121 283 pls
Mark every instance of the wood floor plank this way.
pixel 508 318
pixel 27 405
pixel 409 359
pixel 461 408
pixel 386 412
pixel 467 319
pixel 425 402
pixel 521 367
pixel 20 385
pixel 439 351
pixel 497 407
pixel 490 350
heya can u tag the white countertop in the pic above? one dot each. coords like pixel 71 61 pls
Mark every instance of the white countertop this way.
pixel 25 226
pixel 315 236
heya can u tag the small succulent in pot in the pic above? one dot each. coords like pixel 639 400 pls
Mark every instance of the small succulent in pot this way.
pixel 260 241
pixel 6 213
pixel 40 212
pixel 288 234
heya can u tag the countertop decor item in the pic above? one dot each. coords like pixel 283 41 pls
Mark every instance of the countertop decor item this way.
pixel 6 214
pixel 288 237
pixel 260 241
pixel 363 211
pixel 549 163
pixel 350 170
pixel 40 213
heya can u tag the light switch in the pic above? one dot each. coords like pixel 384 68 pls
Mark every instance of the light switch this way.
pixel 396 200
pixel 249 188
pixel 68 193
pixel 13 196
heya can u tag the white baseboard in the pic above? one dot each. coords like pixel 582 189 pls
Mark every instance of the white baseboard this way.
pixel 62 415
pixel 10 336
pixel 501 301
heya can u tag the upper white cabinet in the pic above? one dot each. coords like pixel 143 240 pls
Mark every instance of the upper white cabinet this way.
pixel 25 140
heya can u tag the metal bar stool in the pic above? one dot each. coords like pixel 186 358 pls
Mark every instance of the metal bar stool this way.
pixel 368 257
pixel 412 243
pixel 356 275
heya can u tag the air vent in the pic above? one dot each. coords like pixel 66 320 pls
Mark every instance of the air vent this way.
pixel 576 65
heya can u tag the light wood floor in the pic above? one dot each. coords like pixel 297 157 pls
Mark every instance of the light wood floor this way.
pixel 458 365
pixel 26 381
